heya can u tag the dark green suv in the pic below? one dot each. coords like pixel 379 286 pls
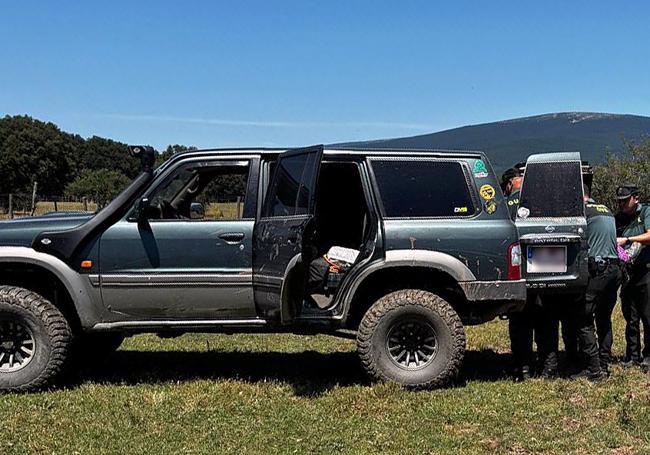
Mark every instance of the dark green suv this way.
pixel 227 240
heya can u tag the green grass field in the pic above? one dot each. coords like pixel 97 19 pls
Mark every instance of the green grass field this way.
pixel 293 394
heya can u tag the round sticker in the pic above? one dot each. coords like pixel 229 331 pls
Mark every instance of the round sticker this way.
pixel 487 192
pixel 490 207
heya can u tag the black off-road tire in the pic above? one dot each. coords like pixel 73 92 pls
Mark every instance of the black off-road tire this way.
pixel 51 336
pixel 403 309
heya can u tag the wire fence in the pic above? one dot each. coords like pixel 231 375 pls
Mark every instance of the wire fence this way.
pixel 18 205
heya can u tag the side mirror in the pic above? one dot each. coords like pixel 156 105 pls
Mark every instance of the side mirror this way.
pixel 197 211
pixel 142 209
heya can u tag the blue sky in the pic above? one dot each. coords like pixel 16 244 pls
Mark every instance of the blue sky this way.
pixel 278 73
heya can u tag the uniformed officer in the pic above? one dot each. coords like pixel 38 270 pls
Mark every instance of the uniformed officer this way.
pixel 511 181
pixel 633 226
pixel 600 296
pixel 520 324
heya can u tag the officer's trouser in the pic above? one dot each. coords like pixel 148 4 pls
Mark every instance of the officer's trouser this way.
pixel 569 333
pixel 548 333
pixel 635 301
pixel 521 327
pixel 599 299
pixel 556 308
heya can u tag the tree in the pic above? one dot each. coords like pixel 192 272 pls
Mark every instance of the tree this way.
pixel 99 153
pixel 631 167
pixel 34 151
pixel 100 185
pixel 31 151
pixel 171 150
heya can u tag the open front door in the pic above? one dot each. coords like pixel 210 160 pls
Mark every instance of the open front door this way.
pixel 552 225
pixel 279 272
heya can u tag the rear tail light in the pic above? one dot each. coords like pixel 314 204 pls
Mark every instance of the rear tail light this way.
pixel 514 261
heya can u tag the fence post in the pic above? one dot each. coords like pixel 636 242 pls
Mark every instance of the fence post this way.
pixel 34 198
pixel 56 207
pixel 239 214
pixel 85 201
pixel 11 206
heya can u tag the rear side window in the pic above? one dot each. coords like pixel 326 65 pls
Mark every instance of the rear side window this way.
pixel 422 188
pixel 290 193
pixel 552 189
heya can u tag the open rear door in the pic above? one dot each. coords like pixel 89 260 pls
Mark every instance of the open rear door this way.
pixel 552 225
pixel 280 234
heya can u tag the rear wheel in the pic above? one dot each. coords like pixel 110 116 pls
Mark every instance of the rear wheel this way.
pixel 34 340
pixel 412 337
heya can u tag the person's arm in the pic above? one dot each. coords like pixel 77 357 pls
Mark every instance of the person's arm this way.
pixel 643 239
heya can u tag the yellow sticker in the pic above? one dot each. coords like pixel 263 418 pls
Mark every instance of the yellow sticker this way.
pixel 460 209
pixel 490 207
pixel 487 192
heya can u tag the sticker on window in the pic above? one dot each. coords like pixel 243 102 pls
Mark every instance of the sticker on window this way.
pixel 487 192
pixel 490 207
pixel 480 171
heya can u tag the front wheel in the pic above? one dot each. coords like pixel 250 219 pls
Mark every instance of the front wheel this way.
pixel 412 337
pixel 34 340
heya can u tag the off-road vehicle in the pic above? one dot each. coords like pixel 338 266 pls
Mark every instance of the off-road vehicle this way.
pixel 436 251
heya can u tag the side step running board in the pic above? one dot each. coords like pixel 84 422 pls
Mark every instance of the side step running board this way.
pixel 186 324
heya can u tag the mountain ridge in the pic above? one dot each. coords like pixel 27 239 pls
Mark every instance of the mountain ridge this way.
pixel 593 134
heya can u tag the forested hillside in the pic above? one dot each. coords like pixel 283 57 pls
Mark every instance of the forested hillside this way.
pixel 62 163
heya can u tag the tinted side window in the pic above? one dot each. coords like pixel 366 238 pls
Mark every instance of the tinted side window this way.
pixel 553 189
pixel 306 185
pixel 290 193
pixel 418 188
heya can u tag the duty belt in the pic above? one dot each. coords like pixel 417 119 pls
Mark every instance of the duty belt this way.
pixel 606 261
pixel 598 264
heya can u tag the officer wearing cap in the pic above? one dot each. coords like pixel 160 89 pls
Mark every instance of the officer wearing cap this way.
pixel 633 226
pixel 521 324
pixel 511 181
pixel 600 296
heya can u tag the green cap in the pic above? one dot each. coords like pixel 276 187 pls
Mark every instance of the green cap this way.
pixel 626 190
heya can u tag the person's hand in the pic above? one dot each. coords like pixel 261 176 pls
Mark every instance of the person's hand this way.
pixel 621 241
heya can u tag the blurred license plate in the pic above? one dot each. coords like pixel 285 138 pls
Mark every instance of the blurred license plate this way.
pixel 546 259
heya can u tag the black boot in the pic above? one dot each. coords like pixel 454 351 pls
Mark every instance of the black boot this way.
pixel 522 373
pixel 604 366
pixel 590 375
pixel 630 362
pixel 645 364
pixel 550 366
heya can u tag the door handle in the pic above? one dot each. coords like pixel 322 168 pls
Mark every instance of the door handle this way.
pixel 232 237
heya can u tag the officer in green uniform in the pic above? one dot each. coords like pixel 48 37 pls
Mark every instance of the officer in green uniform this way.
pixel 633 226
pixel 600 296
pixel 511 181
pixel 521 325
